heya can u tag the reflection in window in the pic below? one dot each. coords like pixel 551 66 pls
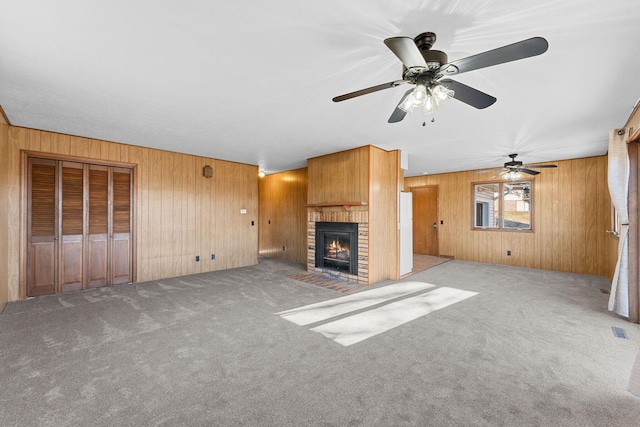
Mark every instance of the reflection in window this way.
pixel 502 205
pixel 487 205
pixel 517 205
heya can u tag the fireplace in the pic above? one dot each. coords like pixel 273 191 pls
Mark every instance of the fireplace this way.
pixel 337 246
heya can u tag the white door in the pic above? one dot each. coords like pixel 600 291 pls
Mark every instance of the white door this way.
pixel 406 233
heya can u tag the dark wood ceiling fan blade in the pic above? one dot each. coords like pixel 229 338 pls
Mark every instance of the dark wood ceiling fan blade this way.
pixel 369 90
pixel 528 171
pixel 519 50
pixel 468 95
pixel 399 114
pixel 406 50
pixel 541 166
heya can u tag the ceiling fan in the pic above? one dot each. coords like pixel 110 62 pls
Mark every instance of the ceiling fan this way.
pixel 514 169
pixel 425 68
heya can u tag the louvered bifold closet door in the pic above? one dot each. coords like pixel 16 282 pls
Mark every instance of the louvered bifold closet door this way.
pixel 98 254
pixel 79 227
pixel 121 246
pixel 72 214
pixel 42 256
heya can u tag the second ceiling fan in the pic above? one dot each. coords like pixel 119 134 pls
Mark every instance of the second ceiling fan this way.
pixel 514 169
pixel 425 68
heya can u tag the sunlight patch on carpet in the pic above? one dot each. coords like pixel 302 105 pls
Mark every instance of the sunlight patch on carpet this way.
pixel 335 307
pixel 362 325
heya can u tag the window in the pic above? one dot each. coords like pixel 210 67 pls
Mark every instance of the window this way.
pixel 502 205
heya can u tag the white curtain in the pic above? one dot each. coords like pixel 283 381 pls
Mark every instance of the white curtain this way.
pixel 618 180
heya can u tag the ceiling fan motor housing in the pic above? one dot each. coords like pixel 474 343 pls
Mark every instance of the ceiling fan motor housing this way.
pixel 434 58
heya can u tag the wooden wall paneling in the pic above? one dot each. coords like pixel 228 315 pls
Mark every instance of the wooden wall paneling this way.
pixel 4 216
pixel 564 218
pixel 190 232
pixel 135 157
pixel 142 216
pixel 155 235
pixel 150 244
pixel 222 244
pixel 167 221
pixel 198 209
pixel 578 215
pixel 558 193
pixel 124 153
pixel 602 209
pixel 339 177
pixel 591 211
pixel 17 233
pixel 250 250
pixel 383 215
pixel 175 236
pixel 543 216
pixel 207 218
pixel 283 215
pixel 240 222
pixel 555 237
pixel 62 144
pixel 34 140
pixel 79 147
pixel 110 151
pixel 95 147
pixel 45 142
pixel 182 168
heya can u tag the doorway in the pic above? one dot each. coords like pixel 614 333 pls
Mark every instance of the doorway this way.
pixel 79 225
pixel 425 220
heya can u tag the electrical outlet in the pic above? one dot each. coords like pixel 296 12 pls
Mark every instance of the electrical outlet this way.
pixel 213 256
pixel 197 258
pixel 283 248
pixel 508 253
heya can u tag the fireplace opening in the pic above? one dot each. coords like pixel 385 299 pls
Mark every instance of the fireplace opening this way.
pixel 337 246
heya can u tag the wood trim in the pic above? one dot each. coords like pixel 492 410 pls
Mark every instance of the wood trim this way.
pixel 345 205
pixel 635 136
pixel 3 117
pixel 89 160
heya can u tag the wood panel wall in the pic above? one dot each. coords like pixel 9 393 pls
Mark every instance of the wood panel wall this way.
pixel 339 177
pixel 384 193
pixel 179 213
pixel 4 218
pixel 571 214
pixel 283 215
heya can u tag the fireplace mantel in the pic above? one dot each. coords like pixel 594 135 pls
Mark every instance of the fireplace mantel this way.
pixel 345 205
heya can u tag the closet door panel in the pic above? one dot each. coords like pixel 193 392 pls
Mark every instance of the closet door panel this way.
pixel 72 226
pixel 121 259
pixel 98 227
pixel 121 242
pixel 41 227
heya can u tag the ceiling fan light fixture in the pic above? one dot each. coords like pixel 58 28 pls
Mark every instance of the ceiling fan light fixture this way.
pixel 513 175
pixel 441 94
pixel 415 99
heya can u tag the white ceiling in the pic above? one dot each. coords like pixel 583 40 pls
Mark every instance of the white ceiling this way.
pixel 252 81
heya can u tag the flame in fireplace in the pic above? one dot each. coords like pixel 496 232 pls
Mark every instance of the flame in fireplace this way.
pixel 336 250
